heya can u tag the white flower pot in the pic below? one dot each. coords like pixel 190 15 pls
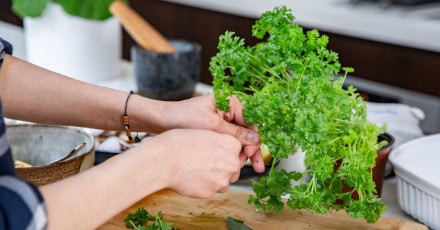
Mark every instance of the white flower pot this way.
pixel 86 50
pixel 295 162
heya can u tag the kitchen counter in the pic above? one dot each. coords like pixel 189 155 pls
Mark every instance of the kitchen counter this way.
pixel 126 82
pixel 416 27
pixel 193 213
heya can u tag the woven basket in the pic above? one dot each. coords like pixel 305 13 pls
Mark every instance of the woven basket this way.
pixel 46 174
pixel 40 139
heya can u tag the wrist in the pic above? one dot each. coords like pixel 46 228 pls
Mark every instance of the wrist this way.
pixel 146 115
pixel 156 167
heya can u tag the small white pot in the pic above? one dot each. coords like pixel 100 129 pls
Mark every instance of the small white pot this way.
pixel 86 50
pixel 295 162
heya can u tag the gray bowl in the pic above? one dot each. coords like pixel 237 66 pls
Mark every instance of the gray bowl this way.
pixel 38 144
pixel 167 76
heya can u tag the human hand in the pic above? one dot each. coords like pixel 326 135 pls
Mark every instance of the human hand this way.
pixel 235 116
pixel 201 113
pixel 198 163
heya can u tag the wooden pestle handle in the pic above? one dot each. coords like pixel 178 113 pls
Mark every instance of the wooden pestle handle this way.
pixel 139 29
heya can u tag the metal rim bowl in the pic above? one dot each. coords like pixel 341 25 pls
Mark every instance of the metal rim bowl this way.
pixel 38 144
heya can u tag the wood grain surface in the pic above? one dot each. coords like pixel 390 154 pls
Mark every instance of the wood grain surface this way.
pixel 191 213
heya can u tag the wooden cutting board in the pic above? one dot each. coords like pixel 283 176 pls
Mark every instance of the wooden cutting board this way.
pixel 191 213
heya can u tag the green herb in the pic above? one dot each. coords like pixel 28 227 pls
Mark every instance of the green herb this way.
pixel 88 9
pixel 139 219
pixel 290 85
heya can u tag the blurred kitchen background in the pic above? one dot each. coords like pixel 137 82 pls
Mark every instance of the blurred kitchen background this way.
pixel 394 45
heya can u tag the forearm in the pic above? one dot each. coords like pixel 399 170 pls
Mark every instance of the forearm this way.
pixel 34 94
pixel 87 200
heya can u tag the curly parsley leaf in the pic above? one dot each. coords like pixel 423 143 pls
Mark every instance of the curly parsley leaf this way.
pixel 290 86
pixel 139 219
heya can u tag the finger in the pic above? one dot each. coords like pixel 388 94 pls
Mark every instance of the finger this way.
pixel 243 134
pixel 250 150
pixel 257 162
pixel 243 158
pixel 235 111
pixel 238 132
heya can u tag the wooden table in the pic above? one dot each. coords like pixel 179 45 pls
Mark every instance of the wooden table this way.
pixel 192 213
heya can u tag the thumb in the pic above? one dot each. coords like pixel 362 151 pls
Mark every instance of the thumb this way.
pixel 244 135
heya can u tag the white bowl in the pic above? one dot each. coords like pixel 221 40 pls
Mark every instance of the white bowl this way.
pixel 417 167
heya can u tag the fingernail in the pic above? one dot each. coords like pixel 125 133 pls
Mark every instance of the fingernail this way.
pixel 252 137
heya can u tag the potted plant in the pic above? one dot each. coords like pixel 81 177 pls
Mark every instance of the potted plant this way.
pixel 291 86
pixel 78 38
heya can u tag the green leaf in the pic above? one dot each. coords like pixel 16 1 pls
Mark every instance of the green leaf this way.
pixel 138 221
pixel 30 8
pixel 139 218
pixel 88 9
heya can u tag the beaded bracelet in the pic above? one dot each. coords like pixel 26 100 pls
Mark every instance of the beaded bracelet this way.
pixel 127 124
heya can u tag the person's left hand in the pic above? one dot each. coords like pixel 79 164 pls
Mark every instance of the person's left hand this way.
pixel 201 113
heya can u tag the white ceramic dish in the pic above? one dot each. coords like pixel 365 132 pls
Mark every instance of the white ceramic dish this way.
pixel 417 167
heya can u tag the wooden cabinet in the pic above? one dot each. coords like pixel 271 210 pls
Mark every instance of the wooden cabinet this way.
pixel 403 67
pixel 6 13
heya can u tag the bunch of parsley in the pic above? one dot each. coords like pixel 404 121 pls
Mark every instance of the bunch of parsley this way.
pixel 140 218
pixel 290 86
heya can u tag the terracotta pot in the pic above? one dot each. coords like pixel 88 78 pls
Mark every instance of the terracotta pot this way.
pixel 381 161
pixel 379 169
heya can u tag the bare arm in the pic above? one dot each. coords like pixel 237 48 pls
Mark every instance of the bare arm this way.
pixel 35 94
pixel 194 162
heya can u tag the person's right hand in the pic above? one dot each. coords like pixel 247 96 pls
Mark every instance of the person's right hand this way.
pixel 201 113
pixel 198 163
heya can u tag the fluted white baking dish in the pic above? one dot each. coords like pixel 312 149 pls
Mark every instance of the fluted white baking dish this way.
pixel 417 167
